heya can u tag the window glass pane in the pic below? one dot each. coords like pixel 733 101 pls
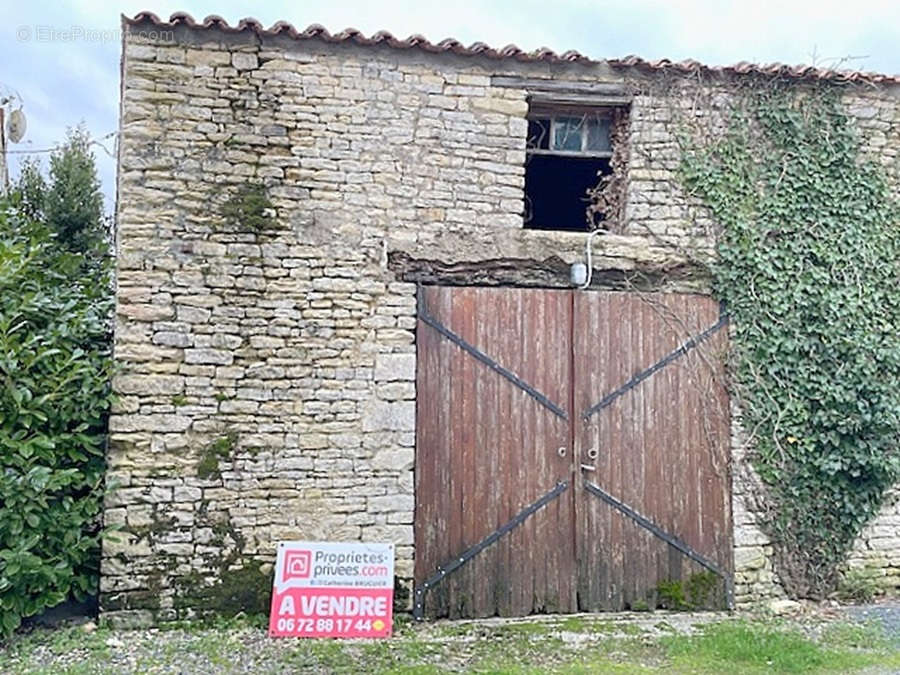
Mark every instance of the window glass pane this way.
pixel 539 134
pixel 598 135
pixel 567 133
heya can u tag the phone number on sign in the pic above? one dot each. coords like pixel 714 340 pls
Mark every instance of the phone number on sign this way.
pixel 290 625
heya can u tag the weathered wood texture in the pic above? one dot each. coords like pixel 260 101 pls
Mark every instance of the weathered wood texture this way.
pixel 486 449
pixel 662 446
pixel 552 272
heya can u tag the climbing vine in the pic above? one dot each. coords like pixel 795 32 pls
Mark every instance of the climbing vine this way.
pixel 809 268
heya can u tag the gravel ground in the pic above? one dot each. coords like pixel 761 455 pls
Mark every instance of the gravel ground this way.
pixel 88 649
pixel 887 613
pixel 628 642
pixel 244 649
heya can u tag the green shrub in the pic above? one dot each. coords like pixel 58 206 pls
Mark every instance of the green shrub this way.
pixel 55 368
pixel 857 585
pixel 671 595
pixel 70 202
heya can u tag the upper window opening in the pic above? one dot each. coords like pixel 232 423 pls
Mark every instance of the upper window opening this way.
pixel 563 135
pixel 568 154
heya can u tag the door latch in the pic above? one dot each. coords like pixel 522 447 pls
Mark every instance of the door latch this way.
pixel 592 454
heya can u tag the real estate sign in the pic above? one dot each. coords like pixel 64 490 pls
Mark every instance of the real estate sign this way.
pixel 332 589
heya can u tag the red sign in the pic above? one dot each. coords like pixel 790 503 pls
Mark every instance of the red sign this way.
pixel 329 589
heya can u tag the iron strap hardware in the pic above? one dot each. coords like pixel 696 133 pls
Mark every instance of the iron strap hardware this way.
pixel 469 553
pixel 659 365
pixel 671 540
pixel 487 360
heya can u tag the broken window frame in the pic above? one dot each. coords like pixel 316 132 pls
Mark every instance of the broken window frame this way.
pixel 554 112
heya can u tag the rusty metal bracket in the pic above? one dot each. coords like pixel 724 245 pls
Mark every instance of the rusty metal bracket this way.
pixel 485 359
pixel 469 553
pixel 671 540
pixel 607 400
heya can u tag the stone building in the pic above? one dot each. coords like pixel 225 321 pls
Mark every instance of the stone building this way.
pixel 282 195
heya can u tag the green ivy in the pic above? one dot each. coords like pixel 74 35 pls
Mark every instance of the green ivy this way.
pixel 55 367
pixel 809 269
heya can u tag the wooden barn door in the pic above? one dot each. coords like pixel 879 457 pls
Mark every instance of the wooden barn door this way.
pixel 571 451
pixel 493 441
pixel 652 438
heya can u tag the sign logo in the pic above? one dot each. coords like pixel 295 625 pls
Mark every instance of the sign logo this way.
pixel 296 565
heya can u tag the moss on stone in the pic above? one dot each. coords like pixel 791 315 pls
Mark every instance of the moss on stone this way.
pixel 219 449
pixel 246 589
pixel 250 209
pixel 701 589
pixel 698 592
pixel 159 524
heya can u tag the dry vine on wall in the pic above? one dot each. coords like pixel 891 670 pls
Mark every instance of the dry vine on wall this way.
pixel 606 201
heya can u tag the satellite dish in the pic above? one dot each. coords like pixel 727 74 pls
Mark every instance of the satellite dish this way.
pixel 15 126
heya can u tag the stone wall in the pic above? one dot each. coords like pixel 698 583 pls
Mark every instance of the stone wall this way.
pixel 876 555
pixel 267 385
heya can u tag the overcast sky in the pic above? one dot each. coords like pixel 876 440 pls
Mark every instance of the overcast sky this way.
pixel 66 79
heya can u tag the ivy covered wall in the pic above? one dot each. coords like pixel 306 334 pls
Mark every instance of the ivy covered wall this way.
pixel 798 185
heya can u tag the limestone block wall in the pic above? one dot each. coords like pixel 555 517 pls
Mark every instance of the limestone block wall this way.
pixel 876 555
pixel 267 382
pixel 755 577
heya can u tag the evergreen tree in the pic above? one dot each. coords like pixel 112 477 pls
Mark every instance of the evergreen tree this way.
pixel 30 190
pixel 73 203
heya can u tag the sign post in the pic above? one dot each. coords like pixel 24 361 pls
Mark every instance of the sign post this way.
pixel 331 589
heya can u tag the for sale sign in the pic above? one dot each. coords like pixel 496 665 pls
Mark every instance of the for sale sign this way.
pixel 330 589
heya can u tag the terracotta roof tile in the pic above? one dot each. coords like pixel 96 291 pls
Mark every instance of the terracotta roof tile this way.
pixel 800 72
pixel 317 32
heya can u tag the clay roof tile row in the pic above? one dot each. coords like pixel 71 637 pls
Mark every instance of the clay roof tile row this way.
pixel 317 32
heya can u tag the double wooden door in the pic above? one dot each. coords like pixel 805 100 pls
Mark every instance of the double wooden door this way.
pixel 572 451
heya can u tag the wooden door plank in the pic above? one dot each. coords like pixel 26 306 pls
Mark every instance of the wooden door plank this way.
pixel 499 444
pixel 662 436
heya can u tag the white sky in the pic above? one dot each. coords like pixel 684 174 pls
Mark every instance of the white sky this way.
pixel 64 82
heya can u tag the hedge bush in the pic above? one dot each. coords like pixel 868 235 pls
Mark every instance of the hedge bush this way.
pixel 55 369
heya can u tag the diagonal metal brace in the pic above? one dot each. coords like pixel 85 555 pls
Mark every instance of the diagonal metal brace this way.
pixel 671 540
pixel 607 400
pixel 487 360
pixel 469 553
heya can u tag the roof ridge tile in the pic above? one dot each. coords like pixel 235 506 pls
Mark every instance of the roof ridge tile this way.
pixel 511 51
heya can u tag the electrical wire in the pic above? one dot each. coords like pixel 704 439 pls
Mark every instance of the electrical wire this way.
pixel 93 141
pixel 587 252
